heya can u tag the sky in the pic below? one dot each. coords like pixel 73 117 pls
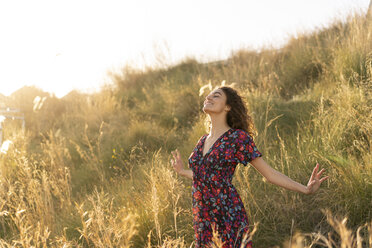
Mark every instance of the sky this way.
pixel 59 46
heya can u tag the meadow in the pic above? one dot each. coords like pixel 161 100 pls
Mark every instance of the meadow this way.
pixel 93 170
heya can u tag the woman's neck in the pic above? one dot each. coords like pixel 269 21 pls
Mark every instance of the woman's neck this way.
pixel 218 127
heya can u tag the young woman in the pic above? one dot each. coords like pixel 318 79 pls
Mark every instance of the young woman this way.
pixel 216 203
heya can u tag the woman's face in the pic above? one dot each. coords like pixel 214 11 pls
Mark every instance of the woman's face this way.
pixel 215 102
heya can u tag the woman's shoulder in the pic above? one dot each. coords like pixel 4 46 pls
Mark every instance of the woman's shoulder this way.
pixel 240 131
pixel 241 134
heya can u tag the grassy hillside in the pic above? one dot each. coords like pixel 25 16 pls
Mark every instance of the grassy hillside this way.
pixel 93 170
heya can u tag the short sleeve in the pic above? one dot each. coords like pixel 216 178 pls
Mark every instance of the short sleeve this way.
pixel 193 156
pixel 245 148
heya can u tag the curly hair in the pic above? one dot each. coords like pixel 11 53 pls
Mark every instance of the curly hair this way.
pixel 237 117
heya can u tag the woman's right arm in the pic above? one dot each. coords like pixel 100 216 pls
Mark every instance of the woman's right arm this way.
pixel 186 173
pixel 178 165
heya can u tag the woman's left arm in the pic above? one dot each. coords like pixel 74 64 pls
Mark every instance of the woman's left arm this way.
pixel 277 178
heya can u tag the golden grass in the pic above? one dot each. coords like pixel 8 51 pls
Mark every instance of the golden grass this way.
pixel 311 102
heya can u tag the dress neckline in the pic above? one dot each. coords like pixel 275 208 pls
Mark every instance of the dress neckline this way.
pixel 211 148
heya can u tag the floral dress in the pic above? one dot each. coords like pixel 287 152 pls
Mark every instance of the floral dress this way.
pixel 215 201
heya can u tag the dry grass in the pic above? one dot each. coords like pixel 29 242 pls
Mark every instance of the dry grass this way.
pixel 311 102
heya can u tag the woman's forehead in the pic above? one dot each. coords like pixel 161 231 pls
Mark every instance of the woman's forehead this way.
pixel 217 91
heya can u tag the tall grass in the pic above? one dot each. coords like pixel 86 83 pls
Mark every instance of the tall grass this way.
pixel 93 170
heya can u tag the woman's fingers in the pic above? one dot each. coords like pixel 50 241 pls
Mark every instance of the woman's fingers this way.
pixel 320 172
pixel 324 178
pixel 174 154
pixel 314 172
pixel 172 160
pixel 314 181
pixel 178 154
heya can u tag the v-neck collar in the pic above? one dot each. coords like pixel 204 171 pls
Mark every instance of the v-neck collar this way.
pixel 211 148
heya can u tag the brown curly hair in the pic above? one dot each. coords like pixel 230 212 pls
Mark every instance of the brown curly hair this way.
pixel 237 117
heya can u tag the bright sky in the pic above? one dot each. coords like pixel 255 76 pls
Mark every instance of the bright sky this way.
pixel 63 45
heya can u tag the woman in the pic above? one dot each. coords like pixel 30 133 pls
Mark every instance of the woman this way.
pixel 216 203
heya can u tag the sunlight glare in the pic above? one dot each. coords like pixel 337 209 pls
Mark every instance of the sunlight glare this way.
pixel 61 46
pixel 5 146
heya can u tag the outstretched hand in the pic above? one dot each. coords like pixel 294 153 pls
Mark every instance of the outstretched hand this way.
pixel 314 181
pixel 177 161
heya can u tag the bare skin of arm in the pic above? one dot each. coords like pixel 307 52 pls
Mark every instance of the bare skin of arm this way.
pixel 275 177
pixel 186 173
pixel 178 165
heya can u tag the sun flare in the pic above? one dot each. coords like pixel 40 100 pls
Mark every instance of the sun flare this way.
pixel 61 46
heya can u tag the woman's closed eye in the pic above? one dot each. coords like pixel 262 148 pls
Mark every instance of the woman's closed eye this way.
pixel 212 96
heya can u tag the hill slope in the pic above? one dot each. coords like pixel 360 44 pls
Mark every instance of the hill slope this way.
pixel 311 102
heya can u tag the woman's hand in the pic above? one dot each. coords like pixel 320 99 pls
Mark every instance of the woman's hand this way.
pixel 314 181
pixel 177 161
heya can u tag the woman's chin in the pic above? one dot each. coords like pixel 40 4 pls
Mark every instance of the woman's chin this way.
pixel 207 110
